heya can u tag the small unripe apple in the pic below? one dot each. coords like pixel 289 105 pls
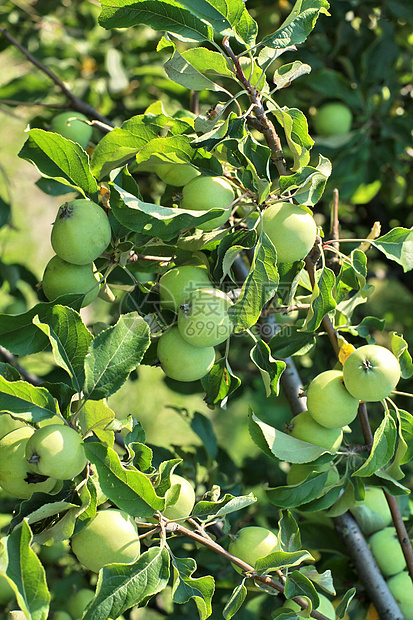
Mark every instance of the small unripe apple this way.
pixel 373 513
pixel 401 587
pixel 333 119
pixel 176 174
pixel 204 193
pixel 298 472
pixel 110 537
pixel 77 602
pixel 16 476
pixel 203 318
pixel 62 278
pixel 61 615
pixel 176 284
pixel 371 373
pixel 387 551
pixel 183 506
pixel 8 423
pixel 304 427
pixel 182 361
pixel 69 127
pixel 81 232
pixel 252 543
pixel 56 450
pixel 329 402
pixel 292 230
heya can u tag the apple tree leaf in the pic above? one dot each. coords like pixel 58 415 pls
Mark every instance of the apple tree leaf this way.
pixel 285 74
pixel 25 573
pixel 295 126
pixel 185 587
pixel 220 383
pixel 201 426
pixel 399 348
pixel 383 448
pixel 308 183
pixel 270 368
pixel 95 416
pixel 235 601
pixel 69 338
pixel 57 158
pixel 397 245
pixel 294 495
pixel 25 401
pixel 298 584
pixel 281 559
pixel 322 300
pixel 345 602
pixel 324 580
pixel 189 71
pixel 290 340
pixel 289 532
pixel 259 287
pixel 122 586
pixel 113 354
pixel 227 504
pixel 164 15
pixel 298 25
pixel 130 489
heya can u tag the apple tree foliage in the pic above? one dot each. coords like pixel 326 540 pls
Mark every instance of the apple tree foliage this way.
pixel 253 125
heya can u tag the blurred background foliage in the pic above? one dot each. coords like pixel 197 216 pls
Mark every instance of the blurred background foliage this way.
pixel 360 55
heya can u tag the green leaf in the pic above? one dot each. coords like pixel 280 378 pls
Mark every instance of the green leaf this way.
pixel 25 401
pixel 270 368
pixel 28 579
pixel 186 587
pixel 220 383
pixel 60 159
pixel 8 372
pixel 69 338
pixel 295 495
pixel 285 74
pixel 122 586
pixel 177 149
pixel 324 580
pixel 383 448
pixel 95 416
pixel 294 123
pixel 192 68
pixel 289 532
pixel 406 430
pixel 281 559
pixel 307 185
pixel 397 245
pixel 345 602
pixel 285 447
pixel 235 601
pixel 161 15
pixel 201 426
pixel 290 340
pixel 113 354
pixel 399 348
pixel 259 287
pixel 222 507
pixel 322 300
pixel 298 585
pixel 129 489
pixel 298 25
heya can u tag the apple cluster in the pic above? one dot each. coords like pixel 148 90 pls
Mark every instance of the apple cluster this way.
pixel 375 520
pixel 38 459
pixel 80 233
pixel 370 373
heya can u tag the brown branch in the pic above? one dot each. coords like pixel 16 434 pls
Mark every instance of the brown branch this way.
pixel 402 534
pixel 9 358
pixel 76 103
pixel 262 123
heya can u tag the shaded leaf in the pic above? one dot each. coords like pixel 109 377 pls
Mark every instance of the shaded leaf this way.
pixel 186 587
pixel 25 401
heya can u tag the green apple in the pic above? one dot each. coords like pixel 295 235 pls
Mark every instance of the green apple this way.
pixel 333 119
pixel 304 427
pixel 110 537
pixel 371 373
pixel 182 361
pixel 77 602
pixel 50 554
pixel 292 230
pixel 329 402
pixel 176 174
pixel 6 591
pixel 387 551
pixel 68 125
pixel 204 193
pixel 176 284
pixel 15 474
pixel 56 450
pixel 203 318
pixel 62 278
pixel 251 543
pixel 401 587
pixel 298 472
pixel 8 423
pixel 61 615
pixel 184 504
pixel 81 232
pixel 373 513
